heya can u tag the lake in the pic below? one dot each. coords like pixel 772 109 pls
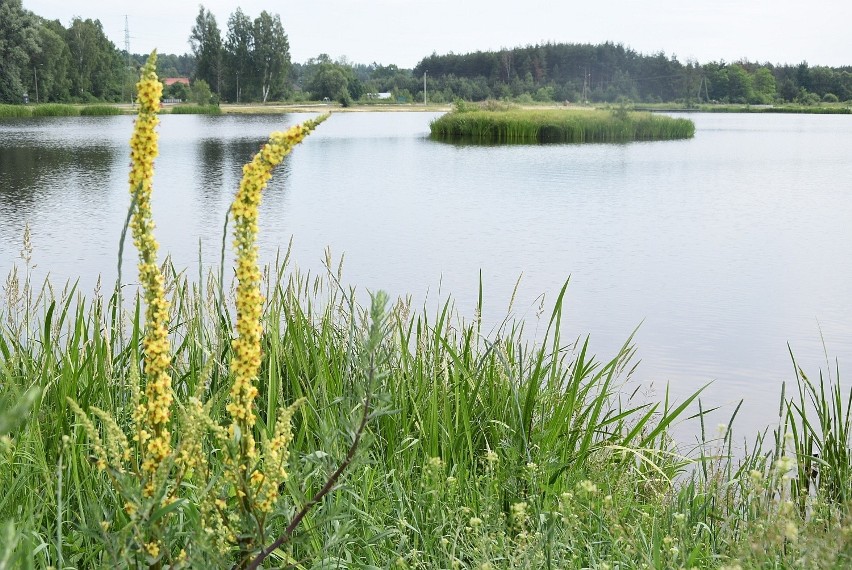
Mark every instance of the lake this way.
pixel 725 248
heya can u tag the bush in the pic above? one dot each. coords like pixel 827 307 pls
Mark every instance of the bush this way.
pixel 807 98
pixel 200 93
pixel 344 98
pixel 830 98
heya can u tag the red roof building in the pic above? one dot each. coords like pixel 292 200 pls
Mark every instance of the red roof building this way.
pixel 172 80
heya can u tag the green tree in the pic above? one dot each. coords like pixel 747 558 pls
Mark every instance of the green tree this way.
pixel 328 80
pixel 96 68
pixel 271 54
pixel 51 64
pixel 200 93
pixel 239 44
pixel 205 40
pixel 739 85
pixel 180 91
pixel 764 85
pixel 18 43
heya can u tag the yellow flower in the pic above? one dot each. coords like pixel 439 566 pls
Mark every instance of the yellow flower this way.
pixel 246 346
pixel 152 419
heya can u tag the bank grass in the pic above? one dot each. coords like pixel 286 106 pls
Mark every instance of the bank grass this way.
pixel 100 111
pixel 15 111
pixel 195 110
pixel 554 125
pixel 55 110
pixel 835 109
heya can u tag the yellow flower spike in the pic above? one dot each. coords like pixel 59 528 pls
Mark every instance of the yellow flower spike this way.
pixel 154 416
pixel 246 360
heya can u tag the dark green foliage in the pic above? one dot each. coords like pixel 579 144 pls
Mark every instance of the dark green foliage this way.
pixel 270 55
pixel 326 79
pixel 206 42
pixel 253 61
pixel 522 126
pixel 605 72
pixel 18 39
pixel 238 51
pixel 97 69
pixel 179 91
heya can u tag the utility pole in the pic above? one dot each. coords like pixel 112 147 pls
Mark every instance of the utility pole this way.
pixel 425 71
pixel 703 84
pixel 35 75
pixel 127 51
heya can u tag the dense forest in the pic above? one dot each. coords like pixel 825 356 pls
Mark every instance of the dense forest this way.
pixel 249 60
pixel 607 72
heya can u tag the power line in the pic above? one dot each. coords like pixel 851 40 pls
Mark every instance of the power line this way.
pixel 129 70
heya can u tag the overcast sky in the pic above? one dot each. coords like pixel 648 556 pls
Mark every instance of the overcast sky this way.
pixel 404 31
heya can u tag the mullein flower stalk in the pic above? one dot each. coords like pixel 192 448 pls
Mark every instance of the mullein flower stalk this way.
pixel 153 413
pixel 245 362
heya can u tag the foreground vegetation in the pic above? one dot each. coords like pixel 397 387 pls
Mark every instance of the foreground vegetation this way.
pixel 527 125
pixel 311 432
pixel 479 452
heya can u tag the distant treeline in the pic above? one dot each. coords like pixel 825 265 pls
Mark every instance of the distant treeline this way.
pixel 249 60
pixel 608 72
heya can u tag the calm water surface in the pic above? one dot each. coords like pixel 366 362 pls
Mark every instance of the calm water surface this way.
pixel 725 247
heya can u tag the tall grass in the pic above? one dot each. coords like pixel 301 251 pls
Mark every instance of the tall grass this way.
pixel 55 110
pixel 100 110
pixel 482 449
pixel 527 126
pixel 195 110
pixel 9 111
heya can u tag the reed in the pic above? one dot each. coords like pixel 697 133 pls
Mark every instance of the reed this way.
pixel 15 111
pixel 195 110
pixel 530 126
pixel 55 110
pixel 100 111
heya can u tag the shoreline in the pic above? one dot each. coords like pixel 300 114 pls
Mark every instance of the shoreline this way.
pixel 319 107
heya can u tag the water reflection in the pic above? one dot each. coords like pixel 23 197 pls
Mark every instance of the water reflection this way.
pixel 210 163
pixel 38 176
